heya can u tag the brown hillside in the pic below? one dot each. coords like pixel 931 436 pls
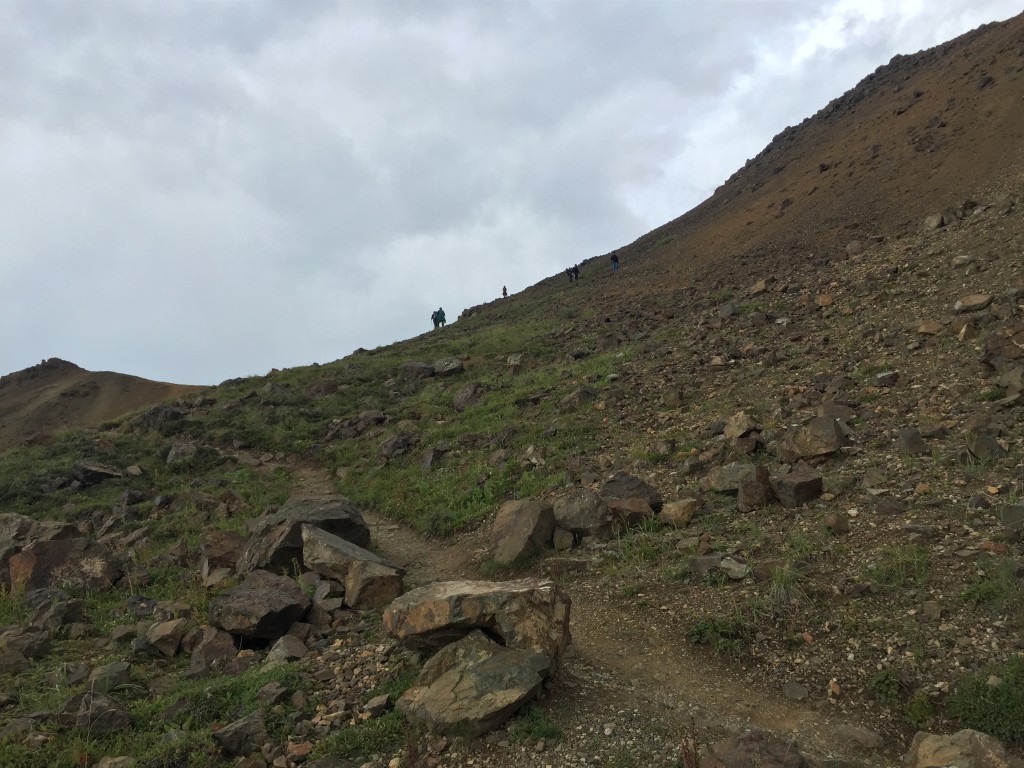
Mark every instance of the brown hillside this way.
pixel 920 134
pixel 57 394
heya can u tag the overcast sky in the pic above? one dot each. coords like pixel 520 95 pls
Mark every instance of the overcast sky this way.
pixel 194 190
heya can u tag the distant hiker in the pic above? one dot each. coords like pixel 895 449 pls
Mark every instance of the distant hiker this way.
pixel 568 273
pixel 504 292
pixel 576 272
pixel 440 316
pixel 615 261
pixel 433 318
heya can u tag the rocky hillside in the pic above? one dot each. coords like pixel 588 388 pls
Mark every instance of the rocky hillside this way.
pixel 775 467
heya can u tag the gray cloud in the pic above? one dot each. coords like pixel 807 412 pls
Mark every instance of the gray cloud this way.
pixel 197 191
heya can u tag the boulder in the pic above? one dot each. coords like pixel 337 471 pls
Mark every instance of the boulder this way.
pixel 530 614
pixel 798 486
pixel 521 529
pixel 110 676
pixel 754 748
pixel 909 441
pixel 276 541
pixel 468 396
pixel 78 563
pixel 822 437
pixel 963 749
pixel 727 478
pixel 94 713
pixel 242 737
pixel 412 369
pixel 448 366
pixel 755 490
pixel 974 302
pixel 473 686
pixel 583 513
pixel 332 556
pixel 93 473
pixel 739 425
pixel 371 585
pixel 264 606
pixel 679 513
pixel 213 650
pixel 166 636
pixel 624 486
pixel 628 513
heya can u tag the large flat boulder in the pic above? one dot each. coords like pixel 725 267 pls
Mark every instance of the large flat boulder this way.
pixel 276 540
pixel 521 529
pixel 822 437
pixel 625 486
pixel 77 563
pixel 963 749
pixel 530 614
pixel 263 606
pixel 473 686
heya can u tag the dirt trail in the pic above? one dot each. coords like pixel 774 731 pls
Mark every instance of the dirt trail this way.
pixel 627 658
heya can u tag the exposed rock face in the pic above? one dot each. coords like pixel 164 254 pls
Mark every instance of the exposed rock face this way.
pixel 530 614
pixel 521 529
pixel 276 542
pixel 963 749
pixel 473 686
pixel 371 585
pixel 78 563
pixel 264 606
pixel 242 737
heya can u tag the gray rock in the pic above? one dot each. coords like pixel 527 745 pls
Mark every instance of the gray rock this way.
pixel 411 369
pixel 110 676
pixel 755 490
pixel 264 606
pixel 910 442
pixel 214 650
pixel 727 478
pixel 963 749
pixel 754 748
pixel 583 513
pixel 242 737
pixel 473 686
pixel 797 487
pixel 521 529
pixel 448 366
pixel 276 542
pixel 624 486
pixel 95 713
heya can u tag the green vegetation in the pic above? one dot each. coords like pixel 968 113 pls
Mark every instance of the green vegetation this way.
pixel 997 587
pixel 728 635
pixel 534 723
pixel 901 565
pixel 992 701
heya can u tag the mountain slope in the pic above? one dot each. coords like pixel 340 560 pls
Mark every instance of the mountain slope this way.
pixel 56 394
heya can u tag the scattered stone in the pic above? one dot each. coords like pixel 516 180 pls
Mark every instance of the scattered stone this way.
pixel 78 563
pixel 110 676
pixel 838 524
pixel 910 442
pixel 165 636
pixel 625 486
pixel 733 568
pixel 679 513
pixel 754 748
pixel 448 366
pixel 887 378
pixel 242 737
pixel 727 478
pixel 755 490
pixel 795 691
pixel 930 328
pixel 974 302
pixel 583 513
pixel 859 735
pixel 563 540
pixel 822 437
pixel 213 651
pixel 287 648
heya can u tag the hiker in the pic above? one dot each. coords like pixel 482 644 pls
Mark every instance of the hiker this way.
pixel 615 261
pixel 568 273
pixel 576 272
pixel 504 292
pixel 440 316
pixel 433 318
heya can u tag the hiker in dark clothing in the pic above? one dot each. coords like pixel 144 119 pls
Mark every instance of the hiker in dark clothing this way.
pixel 568 273
pixel 576 272
pixel 440 317
pixel 433 319
pixel 504 292
pixel 615 261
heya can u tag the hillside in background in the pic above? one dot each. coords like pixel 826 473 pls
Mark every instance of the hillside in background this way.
pixel 57 394
pixel 782 445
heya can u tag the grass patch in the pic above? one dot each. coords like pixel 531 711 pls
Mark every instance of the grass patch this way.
pixel 992 701
pixel 996 587
pixel 379 736
pixel 900 566
pixel 729 636
pixel 532 724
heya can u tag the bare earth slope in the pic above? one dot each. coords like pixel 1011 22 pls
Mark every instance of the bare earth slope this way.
pixel 57 394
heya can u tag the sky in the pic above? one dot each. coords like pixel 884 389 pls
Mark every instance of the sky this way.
pixel 197 190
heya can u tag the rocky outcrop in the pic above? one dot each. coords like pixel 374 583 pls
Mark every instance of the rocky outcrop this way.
pixel 79 563
pixel 963 749
pixel 370 580
pixel 276 541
